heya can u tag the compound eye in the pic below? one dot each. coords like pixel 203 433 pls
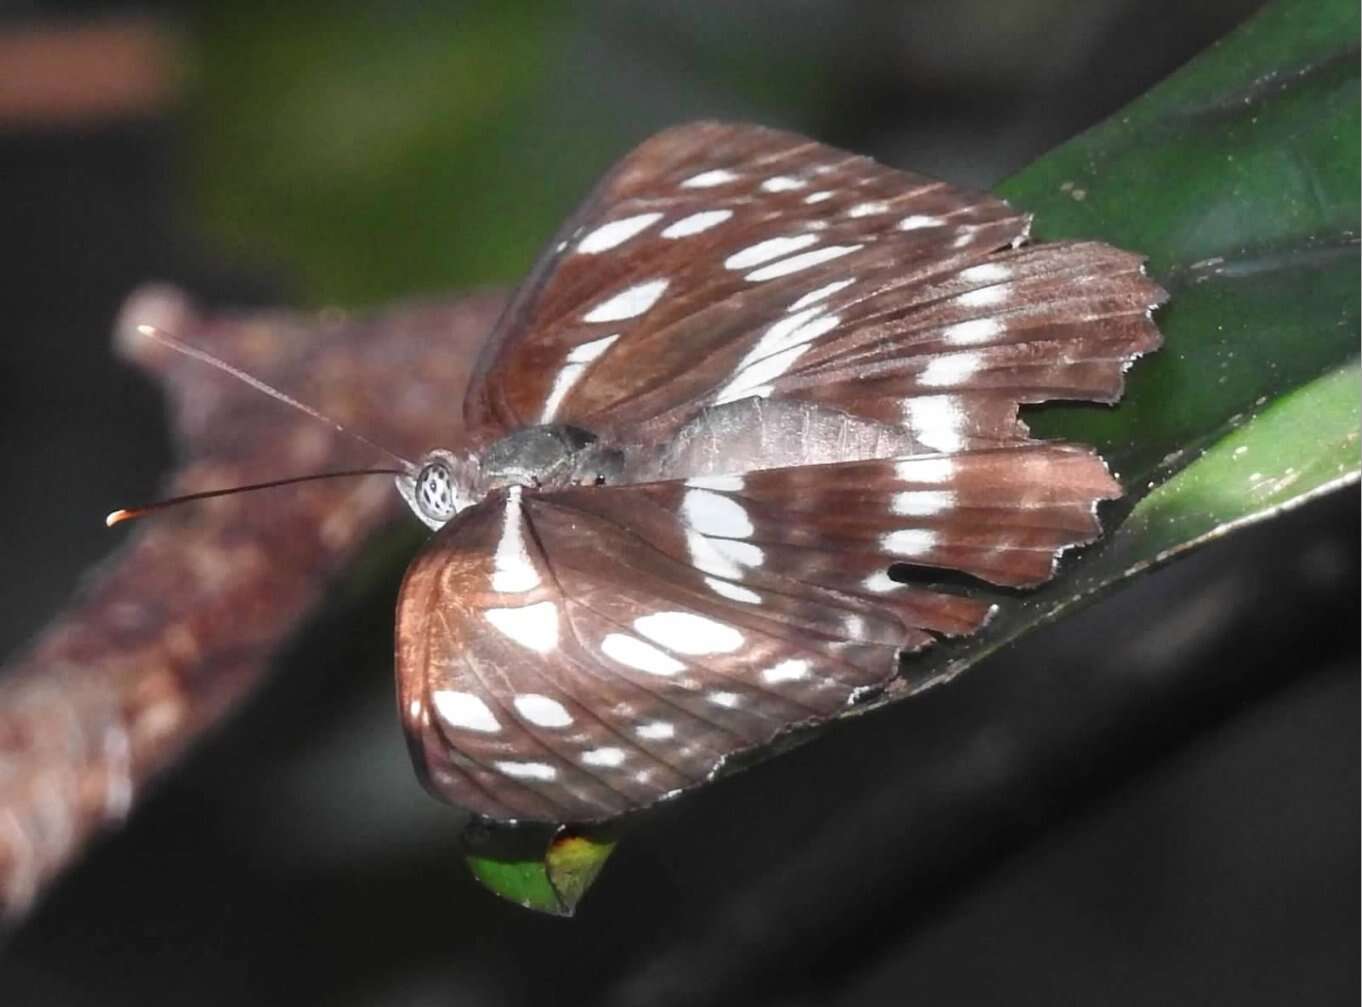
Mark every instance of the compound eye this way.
pixel 435 492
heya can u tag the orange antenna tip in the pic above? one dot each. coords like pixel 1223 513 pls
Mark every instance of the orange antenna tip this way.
pixel 128 513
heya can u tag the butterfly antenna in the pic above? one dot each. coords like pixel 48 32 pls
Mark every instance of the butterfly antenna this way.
pixel 165 339
pixel 128 513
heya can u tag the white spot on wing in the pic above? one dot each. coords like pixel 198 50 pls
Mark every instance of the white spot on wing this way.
pixel 976 330
pixel 722 557
pixel 987 272
pixel 792 330
pixel 742 553
pixel 730 483
pixel 868 209
pixel 950 369
pixel 916 503
pixel 818 197
pixel 587 352
pixel 628 303
pixel 823 292
pixel 512 571
pixel 771 248
pixel 797 262
pixel 464 711
pixel 616 232
pixel 533 626
pixel 786 671
pixel 909 541
pixel 527 770
pixel 915 220
pixel 880 582
pixel 695 223
pixel 777 350
pixel 608 756
pixel 633 652
pixel 709 179
pixel 983 297
pixel 733 591
pixel 936 420
pixel 656 730
pixel 573 369
pixel 543 711
pixel 783 183
pixel 688 633
pixel 713 514
pixel 938 469
pixel 754 378
pixel 730 700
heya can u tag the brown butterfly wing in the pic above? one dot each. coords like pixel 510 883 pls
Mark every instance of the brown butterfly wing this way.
pixel 722 261
pixel 577 655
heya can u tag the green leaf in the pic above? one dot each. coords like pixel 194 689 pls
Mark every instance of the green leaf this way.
pixel 373 156
pixel 546 870
pixel 1238 177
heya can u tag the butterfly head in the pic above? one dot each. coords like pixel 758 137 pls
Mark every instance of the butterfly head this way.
pixel 443 485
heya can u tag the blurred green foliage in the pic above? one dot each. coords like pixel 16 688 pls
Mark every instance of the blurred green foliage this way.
pixel 398 149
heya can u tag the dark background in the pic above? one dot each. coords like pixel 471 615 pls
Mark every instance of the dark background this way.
pixel 1153 801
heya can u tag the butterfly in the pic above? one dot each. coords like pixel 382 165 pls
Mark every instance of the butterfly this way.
pixel 751 375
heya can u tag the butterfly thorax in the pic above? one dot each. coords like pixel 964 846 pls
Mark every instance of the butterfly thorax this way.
pixel 548 457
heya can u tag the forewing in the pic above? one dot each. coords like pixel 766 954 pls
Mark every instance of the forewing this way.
pixel 718 262
pixel 577 655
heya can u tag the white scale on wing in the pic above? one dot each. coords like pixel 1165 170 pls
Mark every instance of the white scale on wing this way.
pixel 976 330
pixel 696 223
pixel 770 248
pixel 920 503
pixel 709 179
pixel 527 770
pixel 870 209
pixel 792 670
pixel 574 366
pixel 909 542
pixel 950 369
pixel 608 756
pixel 938 421
pixel 542 711
pixel 734 592
pixel 464 711
pixel 628 303
pixel 775 353
pixel 532 626
pixel 512 571
pixel 712 513
pixel 688 633
pixel 928 469
pixel 821 294
pixel 880 582
pixel 656 730
pixel 632 652
pixel 616 232
pixel 796 263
